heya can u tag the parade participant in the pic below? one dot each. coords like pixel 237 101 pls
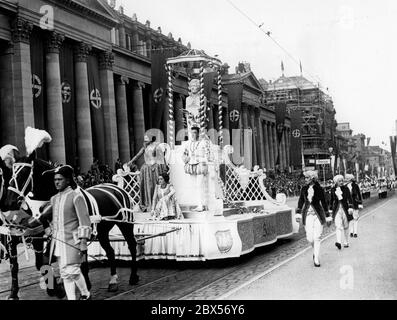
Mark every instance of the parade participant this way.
pixel 195 158
pixel 357 203
pixel 70 230
pixel 154 165
pixel 342 211
pixel 312 211
pixel 165 206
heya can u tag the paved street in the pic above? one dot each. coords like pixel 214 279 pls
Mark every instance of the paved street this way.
pixel 371 260
pixel 169 280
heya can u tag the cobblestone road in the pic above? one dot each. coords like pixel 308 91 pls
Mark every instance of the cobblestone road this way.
pixel 169 280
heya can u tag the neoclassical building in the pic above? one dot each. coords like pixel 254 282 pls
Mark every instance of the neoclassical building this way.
pixel 248 110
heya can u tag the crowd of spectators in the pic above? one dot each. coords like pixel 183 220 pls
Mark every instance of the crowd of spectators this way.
pixel 96 175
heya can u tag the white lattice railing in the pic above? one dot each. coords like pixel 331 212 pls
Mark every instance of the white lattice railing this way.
pixel 130 182
pixel 242 184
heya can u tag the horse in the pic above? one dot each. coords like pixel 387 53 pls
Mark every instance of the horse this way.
pixel 110 203
pixel 20 223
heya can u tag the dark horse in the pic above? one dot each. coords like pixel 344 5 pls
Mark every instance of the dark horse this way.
pixel 21 222
pixel 110 200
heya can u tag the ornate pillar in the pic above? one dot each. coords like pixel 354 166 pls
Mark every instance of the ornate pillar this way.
pixel 122 119
pixel 54 99
pixel 83 115
pixel 22 79
pixel 106 60
pixel 122 38
pixel 138 117
pixel 135 37
pixel 287 147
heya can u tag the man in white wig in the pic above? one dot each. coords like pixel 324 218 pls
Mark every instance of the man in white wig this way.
pixel 313 212
pixel 357 203
pixel 341 207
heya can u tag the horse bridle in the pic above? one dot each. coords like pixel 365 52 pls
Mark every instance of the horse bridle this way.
pixel 16 168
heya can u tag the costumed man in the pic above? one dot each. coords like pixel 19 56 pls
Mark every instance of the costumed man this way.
pixel 71 228
pixel 313 212
pixel 195 157
pixel 341 207
pixel 357 203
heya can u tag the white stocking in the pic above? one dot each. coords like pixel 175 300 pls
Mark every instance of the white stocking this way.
pixel 80 282
pixel 70 289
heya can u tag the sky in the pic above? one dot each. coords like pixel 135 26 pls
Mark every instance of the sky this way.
pixel 349 46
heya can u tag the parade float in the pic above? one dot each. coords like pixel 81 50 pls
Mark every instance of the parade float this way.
pixel 225 215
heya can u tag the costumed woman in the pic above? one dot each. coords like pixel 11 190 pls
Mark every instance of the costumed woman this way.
pixel 313 212
pixel 341 207
pixel 164 204
pixel 357 203
pixel 150 171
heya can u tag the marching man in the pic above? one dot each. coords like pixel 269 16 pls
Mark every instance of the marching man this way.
pixel 342 211
pixel 312 210
pixel 71 228
pixel 357 203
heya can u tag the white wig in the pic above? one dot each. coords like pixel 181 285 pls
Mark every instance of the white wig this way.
pixel 311 174
pixel 349 177
pixel 338 178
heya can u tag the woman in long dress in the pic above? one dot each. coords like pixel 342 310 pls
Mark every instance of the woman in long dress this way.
pixel 164 204
pixel 154 166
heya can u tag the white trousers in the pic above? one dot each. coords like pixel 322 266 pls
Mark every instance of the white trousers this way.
pixel 342 227
pixel 314 229
pixel 354 222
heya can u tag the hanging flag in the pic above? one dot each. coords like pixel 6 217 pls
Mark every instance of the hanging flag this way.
pixel 66 61
pixel 338 164
pixel 37 59
pixel 97 116
pixel 296 138
pixel 303 160
pixel 333 164
pixel 357 171
pixel 159 99
pixel 235 97
pixel 344 166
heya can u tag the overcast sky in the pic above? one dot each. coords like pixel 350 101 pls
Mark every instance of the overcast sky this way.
pixel 349 45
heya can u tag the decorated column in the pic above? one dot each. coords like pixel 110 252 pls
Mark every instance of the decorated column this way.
pixel 284 148
pixel 83 116
pixel 247 136
pixel 122 120
pixel 22 79
pixel 288 147
pixel 254 136
pixel 54 99
pixel 106 61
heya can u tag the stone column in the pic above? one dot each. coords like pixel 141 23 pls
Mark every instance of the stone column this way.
pixel 122 38
pixel 122 119
pixel 271 148
pixel 260 140
pixel 54 99
pixel 135 37
pixel 7 132
pixel 275 144
pixel 106 61
pixel 83 114
pixel 138 117
pixel 288 148
pixel 22 80
pixel 266 145
pixel 284 148
pixel 254 136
